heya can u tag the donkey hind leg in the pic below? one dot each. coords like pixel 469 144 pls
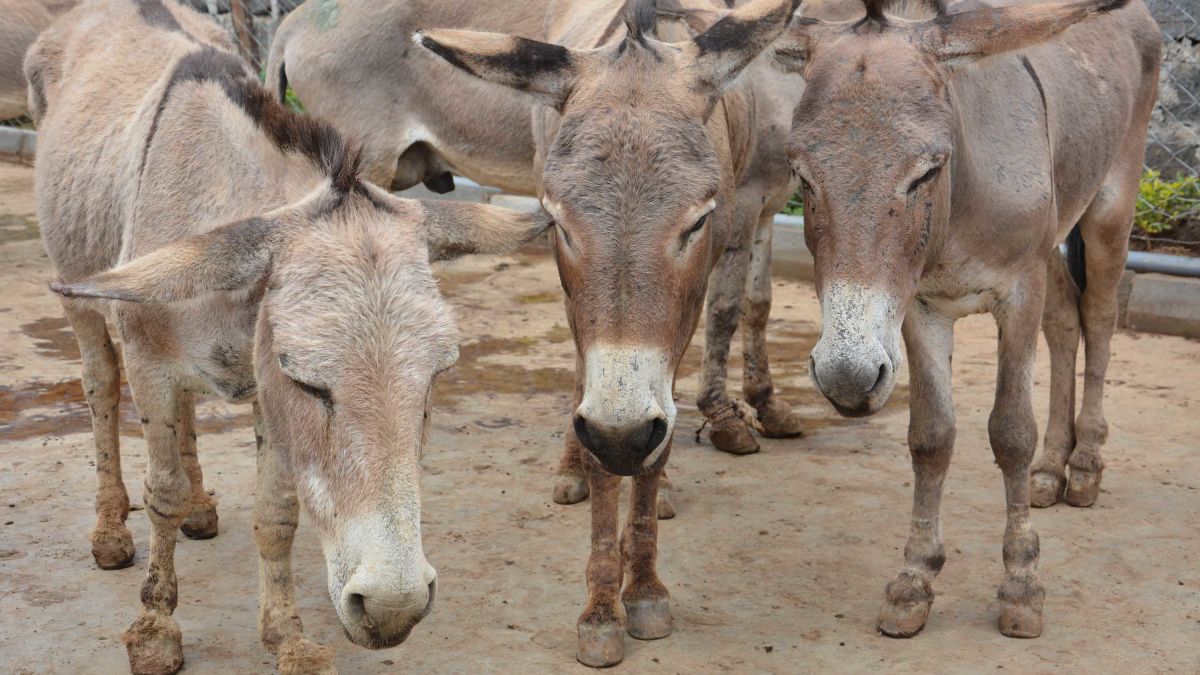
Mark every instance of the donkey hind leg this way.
pixel 276 516
pixel 1012 431
pixel 647 603
pixel 1060 322
pixel 154 641
pixel 1105 242
pixel 775 414
pixel 112 544
pixel 571 486
pixel 201 523
pixel 726 285
pixel 909 597
pixel 601 637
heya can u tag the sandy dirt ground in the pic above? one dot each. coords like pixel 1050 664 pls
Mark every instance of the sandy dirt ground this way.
pixel 775 563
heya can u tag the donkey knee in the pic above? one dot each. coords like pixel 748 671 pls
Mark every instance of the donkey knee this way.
pixel 1013 435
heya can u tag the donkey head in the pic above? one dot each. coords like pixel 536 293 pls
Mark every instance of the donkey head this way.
pixel 873 142
pixel 351 331
pixel 631 176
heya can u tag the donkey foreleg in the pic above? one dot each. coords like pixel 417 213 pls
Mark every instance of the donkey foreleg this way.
pixel 775 414
pixel 726 285
pixel 276 516
pixel 571 486
pixel 154 642
pixel 1012 430
pixel 929 338
pixel 647 603
pixel 112 544
pixel 201 523
pixel 601 638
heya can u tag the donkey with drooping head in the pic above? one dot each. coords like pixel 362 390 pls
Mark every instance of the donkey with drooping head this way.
pixel 640 146
pixel 939 171
pixel 244 256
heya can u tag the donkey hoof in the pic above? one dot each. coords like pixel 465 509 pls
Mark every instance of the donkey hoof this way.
pixel 112 548
pixel 665 509
pixel 1045 488
pixel 570 489
pixel 649 619
pixel 154 644
pixel 903 619
pixel 601 645
pixel 1020 620
pixel 201 523
pixel 732 435
pixel 778 420
pixel 1083 488
pixel 302 657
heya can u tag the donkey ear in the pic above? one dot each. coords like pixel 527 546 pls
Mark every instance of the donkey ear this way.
pixel 730 44
pixel 539 68
pixel 455 228
pixel 971 35
pixel 225 259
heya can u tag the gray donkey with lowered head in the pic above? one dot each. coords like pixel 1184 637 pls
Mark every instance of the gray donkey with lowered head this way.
pixel 238 252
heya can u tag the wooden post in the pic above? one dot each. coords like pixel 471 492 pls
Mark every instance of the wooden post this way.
pixel 243 28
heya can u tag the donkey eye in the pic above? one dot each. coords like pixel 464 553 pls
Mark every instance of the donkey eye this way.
pixel 925 178
pixel 696 227
pixel 562 233
pixel 320 393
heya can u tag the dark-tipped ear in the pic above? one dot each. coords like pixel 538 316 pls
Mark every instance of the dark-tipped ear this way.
pixel 455 228
pixel 802 37
pixel 971 35
pixel 726 48
pixel 228 258
pixel 539 68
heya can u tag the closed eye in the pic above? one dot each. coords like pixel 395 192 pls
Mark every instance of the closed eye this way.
pixel 925 178
pixel 322 394
pixel 562 232
pixel 696 227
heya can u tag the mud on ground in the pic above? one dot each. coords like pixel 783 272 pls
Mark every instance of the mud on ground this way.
pixel 775 563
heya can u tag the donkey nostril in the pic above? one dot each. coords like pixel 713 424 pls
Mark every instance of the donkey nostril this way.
pixel 357 604
pixel 581 431
pixel 883 373
pixel 658 431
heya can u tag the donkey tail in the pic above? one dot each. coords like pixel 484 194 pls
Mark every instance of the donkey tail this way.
pixel 276 71
pixel 1075 258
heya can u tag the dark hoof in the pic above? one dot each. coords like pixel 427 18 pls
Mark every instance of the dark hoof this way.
pixel 601 645
pixel 112 548
pixel 570 489
pixel 1019 620
pixel 903 619
pixel 778 420
pixel 1045 488
pixel 649 619
pixel 732 435
pixel 154 644
pixel 201 523
pixel 1083 488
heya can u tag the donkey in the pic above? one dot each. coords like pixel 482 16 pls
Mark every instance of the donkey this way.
pixel 240 253
pixel 23 20
pixel 640 146
pixel 343 65
pixel 939 170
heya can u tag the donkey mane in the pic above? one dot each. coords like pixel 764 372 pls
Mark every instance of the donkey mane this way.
pixel 640 17
pixel 878 10
pixel 288 130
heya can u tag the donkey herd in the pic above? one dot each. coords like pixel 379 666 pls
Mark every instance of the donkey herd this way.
pixel 246 250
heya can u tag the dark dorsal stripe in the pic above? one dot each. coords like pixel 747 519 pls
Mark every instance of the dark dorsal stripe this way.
pixel 155 13
pixel 287 130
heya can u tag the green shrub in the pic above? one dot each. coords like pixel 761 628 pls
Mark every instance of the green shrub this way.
pixel 1164 204
pixel 795 205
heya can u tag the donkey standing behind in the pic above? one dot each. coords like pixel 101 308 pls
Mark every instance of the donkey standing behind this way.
pixel 349 67
pixel 251 261
pixel 935 187
pixel 640 148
